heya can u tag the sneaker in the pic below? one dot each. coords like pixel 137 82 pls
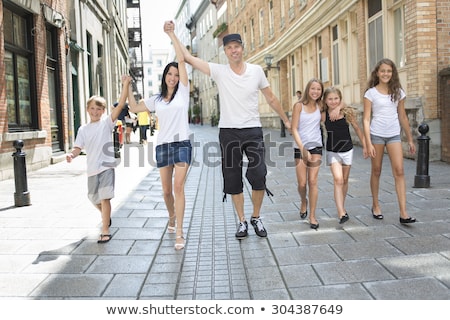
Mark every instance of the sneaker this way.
pixel 259 227
pixel 242 231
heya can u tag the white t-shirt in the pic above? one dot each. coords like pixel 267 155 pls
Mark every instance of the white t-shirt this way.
pixel 172 117
pixel 384 121
pixel 96 139
pixel 239 94
pixel 309 128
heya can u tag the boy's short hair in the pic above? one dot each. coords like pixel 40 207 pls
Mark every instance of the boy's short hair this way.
pixel 98 100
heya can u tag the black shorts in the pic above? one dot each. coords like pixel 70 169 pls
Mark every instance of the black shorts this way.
pixel 298 153
pixel 234 143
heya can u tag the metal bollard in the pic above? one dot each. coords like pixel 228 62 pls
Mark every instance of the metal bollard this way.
pixel 283 127
pixel 22 195
pixel 422 179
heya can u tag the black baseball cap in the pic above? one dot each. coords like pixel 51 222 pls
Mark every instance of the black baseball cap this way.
pixel 232 37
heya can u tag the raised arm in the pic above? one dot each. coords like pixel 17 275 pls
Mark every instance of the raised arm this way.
pixel 180 56
pixel 197 63
pixel 135 106
pixel 126 80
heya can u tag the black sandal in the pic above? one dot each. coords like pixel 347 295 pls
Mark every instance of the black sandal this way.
pixel 107 236
pixel 377 216
pixel 344 218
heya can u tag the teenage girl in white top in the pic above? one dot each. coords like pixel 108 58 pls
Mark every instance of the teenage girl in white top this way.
pixel 307 135
pixel 384 100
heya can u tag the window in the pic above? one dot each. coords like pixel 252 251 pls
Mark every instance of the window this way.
pixel 336 75
pixel 294 86
pixel 375 36
pixel 399 40
pixel 53 88
pixel 90 63
pixel 271 20
pixel 19 75
pixel 252 34
pixel 261 27
pixel 100 68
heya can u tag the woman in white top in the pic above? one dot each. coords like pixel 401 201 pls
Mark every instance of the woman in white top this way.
pixel 173 147
pixel 384 100
pixel 306 117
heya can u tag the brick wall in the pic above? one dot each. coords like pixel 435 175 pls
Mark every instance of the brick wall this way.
pixel 37 144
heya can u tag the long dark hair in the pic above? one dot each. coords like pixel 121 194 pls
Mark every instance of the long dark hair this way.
pixel 164 90
pixel 394 85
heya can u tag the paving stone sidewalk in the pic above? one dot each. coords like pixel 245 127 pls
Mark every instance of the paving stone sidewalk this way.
pixel 49 251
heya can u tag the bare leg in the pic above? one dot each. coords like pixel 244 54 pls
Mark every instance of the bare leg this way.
pixel 313 173
pixel 396 156
pixel 181 170
pixel 105 210
pixel 375 174
pixel 166 182
pixel 300 171
pixel 339 195
pixel 238 202
pixel 257 199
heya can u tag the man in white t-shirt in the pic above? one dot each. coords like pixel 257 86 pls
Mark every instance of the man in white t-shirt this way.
pixel 239 84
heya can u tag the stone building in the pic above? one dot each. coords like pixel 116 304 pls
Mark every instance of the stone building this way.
pixel 53 56
pixel 340 42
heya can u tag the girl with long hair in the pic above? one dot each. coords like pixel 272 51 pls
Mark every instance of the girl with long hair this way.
pixel 384 117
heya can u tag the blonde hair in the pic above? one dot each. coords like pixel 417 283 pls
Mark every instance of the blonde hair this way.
pixel 98 100
pixel 347 111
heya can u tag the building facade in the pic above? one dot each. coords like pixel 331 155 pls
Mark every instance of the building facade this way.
pixel 33 81
pixel 55 54
pixel 340 42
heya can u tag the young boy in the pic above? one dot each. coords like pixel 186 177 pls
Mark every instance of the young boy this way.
pixel 96 138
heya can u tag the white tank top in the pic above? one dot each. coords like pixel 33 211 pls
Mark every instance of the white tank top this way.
pixel 309 128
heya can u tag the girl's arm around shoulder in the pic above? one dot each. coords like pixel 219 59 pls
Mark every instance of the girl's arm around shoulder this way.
pixel 335 114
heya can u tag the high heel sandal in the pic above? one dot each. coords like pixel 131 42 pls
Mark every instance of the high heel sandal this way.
pixel 171 229
pixel 179 246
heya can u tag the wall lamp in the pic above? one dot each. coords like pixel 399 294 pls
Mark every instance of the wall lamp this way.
pixel 268 59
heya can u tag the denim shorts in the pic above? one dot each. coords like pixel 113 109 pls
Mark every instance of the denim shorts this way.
pixel 384 140
pixel 168 154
